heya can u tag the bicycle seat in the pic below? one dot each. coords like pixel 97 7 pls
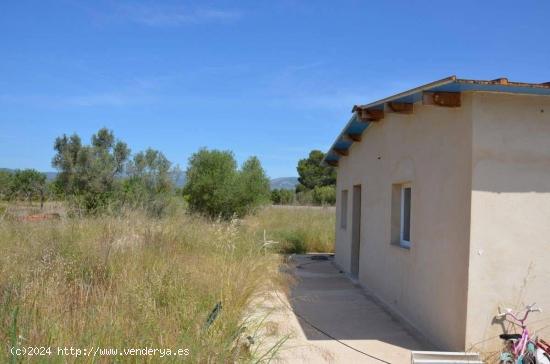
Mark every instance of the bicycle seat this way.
pixel 510 336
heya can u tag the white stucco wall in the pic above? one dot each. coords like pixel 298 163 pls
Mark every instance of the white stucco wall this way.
pixel 432 149
pixel 510 217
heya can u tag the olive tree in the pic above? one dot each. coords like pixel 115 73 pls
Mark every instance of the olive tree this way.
pixel 88 171
pixel 28 184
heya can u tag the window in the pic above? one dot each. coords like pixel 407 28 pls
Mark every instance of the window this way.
pixel 401 215
pixel 344 209
pixel 405 229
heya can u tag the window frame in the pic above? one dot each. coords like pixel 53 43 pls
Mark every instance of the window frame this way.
pixel 402 242
pixel 344 196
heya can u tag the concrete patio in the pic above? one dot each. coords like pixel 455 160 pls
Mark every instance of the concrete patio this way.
pixel 329 319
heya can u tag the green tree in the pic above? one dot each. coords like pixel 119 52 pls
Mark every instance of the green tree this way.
pixel 313 174
pixel 6 178
pixel 28 184
pixel 88 171
pixel 65 161
pixel 152 169
pixel 149 183
pixel 216 188
pixel 253 187
pixel 210 183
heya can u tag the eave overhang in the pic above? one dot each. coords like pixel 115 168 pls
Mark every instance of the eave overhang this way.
pixel 364 115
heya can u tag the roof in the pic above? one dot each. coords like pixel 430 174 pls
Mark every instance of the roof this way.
pixel 364 115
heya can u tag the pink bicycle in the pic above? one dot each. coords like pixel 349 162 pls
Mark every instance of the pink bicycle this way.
pixel 521 348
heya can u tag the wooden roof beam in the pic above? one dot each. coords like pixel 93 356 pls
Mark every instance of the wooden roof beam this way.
pixel 446 99
pixel 370 115
pixel 332 163
pixel 343 152
pixel 401 107
pixel 354 137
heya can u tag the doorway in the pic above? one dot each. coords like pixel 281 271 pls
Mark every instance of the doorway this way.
pixel 355 230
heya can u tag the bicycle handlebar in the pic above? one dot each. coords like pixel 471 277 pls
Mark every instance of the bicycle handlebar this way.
pixel 514 315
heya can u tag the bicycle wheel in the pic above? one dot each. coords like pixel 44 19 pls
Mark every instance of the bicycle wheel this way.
pixel 506 358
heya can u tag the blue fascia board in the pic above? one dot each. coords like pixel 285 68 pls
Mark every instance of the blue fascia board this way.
pixel 463 87
pixel 342 144
pixel 449 84
pixel 458 86
pixel 357 127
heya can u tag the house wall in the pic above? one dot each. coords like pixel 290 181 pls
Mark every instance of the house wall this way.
pixel 427 285
pixel 510 216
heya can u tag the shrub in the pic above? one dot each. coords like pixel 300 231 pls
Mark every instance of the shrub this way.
pixel 28 184
pixel 216 188
pixel 305 197
pixel 276 196
pixel 6 178
pixel 292 242
pixel 325 195
pixel 282 196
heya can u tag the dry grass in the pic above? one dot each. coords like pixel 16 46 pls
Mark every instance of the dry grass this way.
pixel 137 282
pixel 297 229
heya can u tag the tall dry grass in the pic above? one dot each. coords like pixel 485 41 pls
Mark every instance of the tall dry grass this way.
pixel 296 229
pixel 132 282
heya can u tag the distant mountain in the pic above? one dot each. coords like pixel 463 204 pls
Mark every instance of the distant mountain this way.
pixel 287 183
pixel 49 175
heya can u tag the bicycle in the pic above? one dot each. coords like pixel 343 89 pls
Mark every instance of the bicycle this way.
pixel 522 348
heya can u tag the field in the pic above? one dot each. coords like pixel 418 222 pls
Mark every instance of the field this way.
pixel 178 282
pixel 296 229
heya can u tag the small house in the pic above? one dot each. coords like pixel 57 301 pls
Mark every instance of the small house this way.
pixel 443 205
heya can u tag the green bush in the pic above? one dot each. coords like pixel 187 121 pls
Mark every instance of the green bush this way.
pixel 216 188
pixel 6 178
pixel 27 184
pixel 325 195
pixel 282 196
pixel 291 242
pixel 305 197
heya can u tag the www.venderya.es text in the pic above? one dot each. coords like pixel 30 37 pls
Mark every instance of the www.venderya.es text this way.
pixel 96 351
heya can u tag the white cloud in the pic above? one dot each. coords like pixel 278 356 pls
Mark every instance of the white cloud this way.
pixel 162 16
pixel 105 99
pixel 119 97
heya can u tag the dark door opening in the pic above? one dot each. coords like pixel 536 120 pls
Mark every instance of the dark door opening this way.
pixel 356 230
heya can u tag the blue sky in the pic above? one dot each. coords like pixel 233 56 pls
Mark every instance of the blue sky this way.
pixel 273 79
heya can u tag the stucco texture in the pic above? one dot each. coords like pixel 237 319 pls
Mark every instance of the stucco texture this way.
pixel 510 217
pixel 427 283
pixel 480 215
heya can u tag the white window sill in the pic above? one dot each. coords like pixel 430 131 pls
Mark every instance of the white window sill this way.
pixel 402 246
